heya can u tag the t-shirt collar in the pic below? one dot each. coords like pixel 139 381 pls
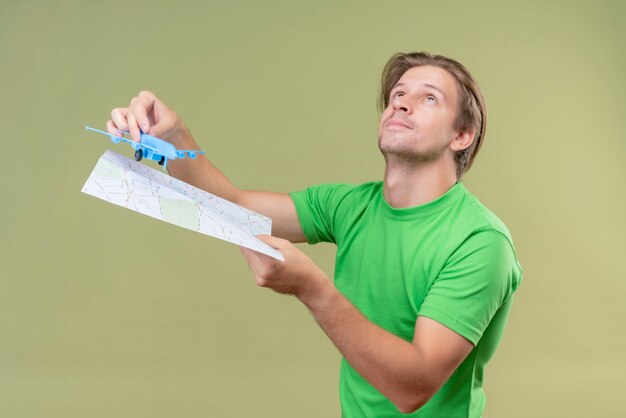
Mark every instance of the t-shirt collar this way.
pixel 453 194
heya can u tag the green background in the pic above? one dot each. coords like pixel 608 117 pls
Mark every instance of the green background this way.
pixel 107 313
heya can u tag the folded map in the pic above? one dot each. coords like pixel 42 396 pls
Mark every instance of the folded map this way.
pixel 133 185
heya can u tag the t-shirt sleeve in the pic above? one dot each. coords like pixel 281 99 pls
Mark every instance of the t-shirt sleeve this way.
pixel 317 208
pixel 477 279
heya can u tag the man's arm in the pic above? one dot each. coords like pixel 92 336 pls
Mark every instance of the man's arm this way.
pixel 407 373
pixel 148 113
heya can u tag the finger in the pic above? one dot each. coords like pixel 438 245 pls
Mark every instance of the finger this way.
pixel 260 264
pixel 163 119
pixel 133 128
pixel 112 129
pixel 274 242
pixel 251 256
pixel 243 252
pixel 260 281
pixel 264 259
pixel 258 278
pixel 140 107
pixel 118 117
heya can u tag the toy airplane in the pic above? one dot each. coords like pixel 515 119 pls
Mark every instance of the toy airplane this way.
pixel 151 147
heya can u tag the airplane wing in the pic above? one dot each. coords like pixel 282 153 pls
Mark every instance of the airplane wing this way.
pixel 140 145
pixel 117 139
pixel 114 138
pixel 191 152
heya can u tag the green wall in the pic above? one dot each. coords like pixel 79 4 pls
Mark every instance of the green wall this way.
pixel 107 313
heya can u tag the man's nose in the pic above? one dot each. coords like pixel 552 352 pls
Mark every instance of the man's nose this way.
pixel 401 103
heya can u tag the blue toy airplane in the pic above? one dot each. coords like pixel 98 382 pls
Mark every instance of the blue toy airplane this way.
pixel 151 147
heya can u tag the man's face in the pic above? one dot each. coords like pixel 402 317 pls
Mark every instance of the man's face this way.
pixel 417 124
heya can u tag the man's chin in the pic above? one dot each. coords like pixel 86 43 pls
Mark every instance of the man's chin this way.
pixel 403 155
pixel 389 147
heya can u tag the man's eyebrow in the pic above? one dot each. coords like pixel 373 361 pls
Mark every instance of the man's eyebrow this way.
pixel 435 88
pixel 396 85
pixel 428 85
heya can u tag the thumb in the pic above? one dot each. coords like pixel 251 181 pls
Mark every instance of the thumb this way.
pixel 159 130
pixel 274 242
pixel 164 120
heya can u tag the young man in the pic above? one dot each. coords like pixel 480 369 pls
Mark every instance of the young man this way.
pixel 425 274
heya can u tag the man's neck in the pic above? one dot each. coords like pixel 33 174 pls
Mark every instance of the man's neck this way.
pixel 413 186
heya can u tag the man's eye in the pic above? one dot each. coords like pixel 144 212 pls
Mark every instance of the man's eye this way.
pixel 431 99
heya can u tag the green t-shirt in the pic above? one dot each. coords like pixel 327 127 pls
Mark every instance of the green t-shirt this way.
pixel 451 260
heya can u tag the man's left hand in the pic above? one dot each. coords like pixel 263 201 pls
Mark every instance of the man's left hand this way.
pixel 297 275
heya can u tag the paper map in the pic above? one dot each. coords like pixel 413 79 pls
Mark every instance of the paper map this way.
pixel 128 183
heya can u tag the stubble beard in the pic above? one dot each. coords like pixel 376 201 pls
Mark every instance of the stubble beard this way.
pixel 406 156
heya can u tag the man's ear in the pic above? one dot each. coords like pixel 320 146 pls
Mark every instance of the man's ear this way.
pixel 463 140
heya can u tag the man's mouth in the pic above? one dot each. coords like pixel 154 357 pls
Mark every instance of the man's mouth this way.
pixel 398 123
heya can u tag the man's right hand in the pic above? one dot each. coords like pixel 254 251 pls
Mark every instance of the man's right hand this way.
pixel 150 115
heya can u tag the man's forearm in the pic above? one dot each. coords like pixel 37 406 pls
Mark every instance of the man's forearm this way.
pixel 199 172
pixel 389 363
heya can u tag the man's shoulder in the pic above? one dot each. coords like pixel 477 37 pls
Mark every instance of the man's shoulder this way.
pixel 339 192
pixel 481 218
pixel 364 191
pixel 367 188
pixel 325 210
